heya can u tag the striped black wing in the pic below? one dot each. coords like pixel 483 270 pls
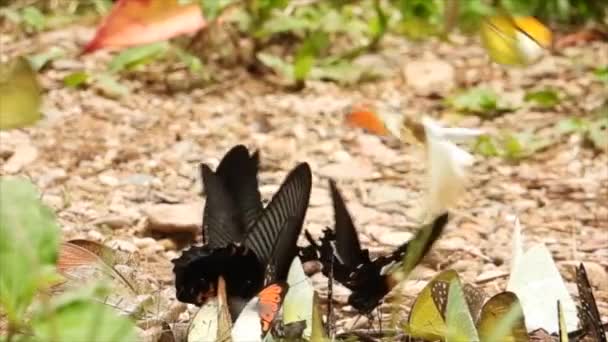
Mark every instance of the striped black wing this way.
pixel 239 174
pixel 285 212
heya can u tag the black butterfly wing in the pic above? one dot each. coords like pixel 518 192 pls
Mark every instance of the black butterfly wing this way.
pixel 284 214
pixel 312 252
pixel 221 223
pixel 285 250
pixel 239 174
pixel 348 248
pixel 589 314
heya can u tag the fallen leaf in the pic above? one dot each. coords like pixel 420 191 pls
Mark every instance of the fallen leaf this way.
pixel 135 22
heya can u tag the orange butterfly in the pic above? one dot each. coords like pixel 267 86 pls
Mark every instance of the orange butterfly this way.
pixel 365 116
pixel 270 301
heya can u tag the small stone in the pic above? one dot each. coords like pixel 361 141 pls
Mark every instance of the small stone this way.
pixel 113 221
pixel 372 146
pixel 174 218
pixel 23 155
pixel 123 245
pixel 144 242
pixel 95 236
pixel 139 179
pixel 108 180
pixel 384 193
pixel 597 275
pixel 353 169
pixel 394 238
pixel 51 176
pixel 428 77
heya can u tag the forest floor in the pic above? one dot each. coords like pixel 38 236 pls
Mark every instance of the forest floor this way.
pixel 125 171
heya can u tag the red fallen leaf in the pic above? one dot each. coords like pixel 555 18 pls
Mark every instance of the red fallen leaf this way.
pixel 136 22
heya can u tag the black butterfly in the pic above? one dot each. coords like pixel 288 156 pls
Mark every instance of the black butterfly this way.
pixel 248 245
pixel 589 315
pixel 369 280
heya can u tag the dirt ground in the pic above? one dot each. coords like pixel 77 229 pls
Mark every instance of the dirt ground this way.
pixel 124 171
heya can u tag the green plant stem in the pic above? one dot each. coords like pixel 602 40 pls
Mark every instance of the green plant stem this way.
pixel 383 22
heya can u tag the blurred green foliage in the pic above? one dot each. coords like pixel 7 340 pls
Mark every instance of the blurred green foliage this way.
pixel 312 39
pixel 546 98
pixel 479 101
pixel 29 243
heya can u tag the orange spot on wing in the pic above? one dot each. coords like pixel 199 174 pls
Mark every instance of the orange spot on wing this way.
pixel 362 116
pixel 271 298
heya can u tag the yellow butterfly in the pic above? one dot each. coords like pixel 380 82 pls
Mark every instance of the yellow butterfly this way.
pixel 519 40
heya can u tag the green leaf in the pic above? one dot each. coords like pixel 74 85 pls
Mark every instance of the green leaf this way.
pixel 110 86
pixel 33 18
pixel 302 66
pixel 76 79
pixel 343 72
pixel 29 239
pixel 513 144
pixel 193 62
pixel 602 74
pixel 598 133
pixel 420 18
pixel 572 125
pixel 306 55
pixel 78 316
pixel 481 101
pixel 137 56
pixel 20 94
pixel 277 64
pixel 10 14
pixel 284 23
pixel 487 146
pixel 471 14
pixel 38 61
pixel 543 98
pixel 212 8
